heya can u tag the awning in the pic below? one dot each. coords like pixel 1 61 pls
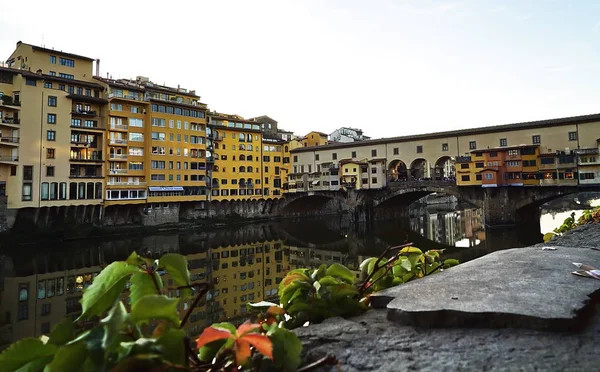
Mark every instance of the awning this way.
pixel 165 188
pixel 316 182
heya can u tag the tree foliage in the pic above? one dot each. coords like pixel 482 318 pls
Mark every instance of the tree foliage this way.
pixel 117 340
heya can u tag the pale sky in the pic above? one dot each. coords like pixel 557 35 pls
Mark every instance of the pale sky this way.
pixel 390 67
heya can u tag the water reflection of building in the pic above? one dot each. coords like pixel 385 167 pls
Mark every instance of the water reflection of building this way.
pixel 305 257
pixel 453 228
pixel 31 305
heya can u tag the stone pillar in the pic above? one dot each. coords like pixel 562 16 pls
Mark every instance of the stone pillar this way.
pixel 498 208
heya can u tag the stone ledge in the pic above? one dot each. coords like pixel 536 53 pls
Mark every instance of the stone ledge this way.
pixel 522 288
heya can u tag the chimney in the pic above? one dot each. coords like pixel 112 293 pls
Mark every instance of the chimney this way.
pixel 98 67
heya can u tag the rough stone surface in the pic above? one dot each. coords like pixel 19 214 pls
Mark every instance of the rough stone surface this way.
pixel 371 342
pixel 521 287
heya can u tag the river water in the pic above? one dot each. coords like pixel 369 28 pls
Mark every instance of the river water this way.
pixel 40 283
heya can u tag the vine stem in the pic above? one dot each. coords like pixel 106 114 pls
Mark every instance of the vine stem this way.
pixel 199 296
pixel 376 268
pixel 329 359
pixel 156 285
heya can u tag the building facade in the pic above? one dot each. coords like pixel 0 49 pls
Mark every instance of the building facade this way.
pixel 346 134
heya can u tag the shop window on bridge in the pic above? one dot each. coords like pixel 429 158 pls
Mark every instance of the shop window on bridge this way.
pixel 466 166
pixel 547 161
pixel 477 177
pixel 467 178
pixel 586 176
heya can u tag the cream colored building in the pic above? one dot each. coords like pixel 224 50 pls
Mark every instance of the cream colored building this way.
pixel 427 155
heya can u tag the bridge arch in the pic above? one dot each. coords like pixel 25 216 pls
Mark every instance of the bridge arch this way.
pixel 443 168
pixel 398 170
pixel 418 168
pixel 406 193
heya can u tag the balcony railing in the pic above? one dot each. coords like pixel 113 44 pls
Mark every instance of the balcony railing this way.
pixel 9 158
pixel 118 141
pixel 83 142
pixel 84 112
pixel 109 183
pixel 119 126
pixel 96 126
pixel 86 158
pixel 125 96
pixel 117 171
pixel 11 121
pixel 118 156
pixel 85 175
pixel 9 139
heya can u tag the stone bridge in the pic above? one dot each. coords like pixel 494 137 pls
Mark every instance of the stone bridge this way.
pixel 502 206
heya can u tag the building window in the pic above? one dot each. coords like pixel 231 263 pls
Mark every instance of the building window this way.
pixel 295 158
pixel 478 177
pixel 489 176
pixel 52 101
pixel 53 60
pixel 51 135
pixel 26 192
pixel 373 179
pixel 23 313
pixel 50 171
pixel 51 118
pixel 396 151
pixel 28 173
pixel 66 62
pixel 572 136
pixel 45 309
pixel 503 142
pixel 45 328
pixel 373 153
pixel 536 139
pixel 29 81
pixel 472 145
pixel 66 76
pixel 419 149
pixel 13 170
pixel 317 157
pixel 334 156
pixel 465 178
pixel 444 147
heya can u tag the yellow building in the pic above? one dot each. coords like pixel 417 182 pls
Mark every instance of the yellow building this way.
pixel 314 138
pixel 466 173
pixel 588 163
pixel 275 167
pixel 237 172
pixel 53 154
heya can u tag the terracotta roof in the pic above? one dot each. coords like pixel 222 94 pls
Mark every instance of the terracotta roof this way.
pixel 463 132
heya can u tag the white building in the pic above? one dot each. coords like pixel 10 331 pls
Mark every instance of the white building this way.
pixel 346 134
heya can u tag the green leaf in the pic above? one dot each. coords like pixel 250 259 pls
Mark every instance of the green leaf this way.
pixel 344 290
pixel 548 236
pixel 113 323
pixel 263 305
pixel 63 332
pixel 171 345
pixel 68 358
pixel 177 267
pixel 106 288
pixel 450 262
pixel 319 273
pixel 225 326
pixel 36 365
pixel 210 350
pixel 286 349
pixel 23 352
pixel 137 260
pixel 155 307
pixel 142 285
pixel 342 272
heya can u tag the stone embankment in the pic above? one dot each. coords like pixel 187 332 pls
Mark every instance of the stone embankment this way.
pixel 517 309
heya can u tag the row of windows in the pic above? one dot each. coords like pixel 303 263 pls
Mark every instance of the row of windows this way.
pixel 62 61
pixel 177 111
pixel 186 177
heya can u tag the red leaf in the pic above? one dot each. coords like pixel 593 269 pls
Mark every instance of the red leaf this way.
pixel 261 343
pixel 245 328
pixel 211 334
pixel 242 351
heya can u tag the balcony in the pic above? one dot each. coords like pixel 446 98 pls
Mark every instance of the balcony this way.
pixel 117 171
pixel 114 183
pixel 90 113
pixel 94 158
pixel 86 175
pixel 118 157
pixel 8 158
pixel 123 127
pixel 9 140
pixel 94 127
pixel 84 142
pixel 11 121
pixel 118 141
pixel 133 97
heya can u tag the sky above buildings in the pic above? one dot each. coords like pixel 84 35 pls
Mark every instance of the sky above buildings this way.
pixel 390 67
